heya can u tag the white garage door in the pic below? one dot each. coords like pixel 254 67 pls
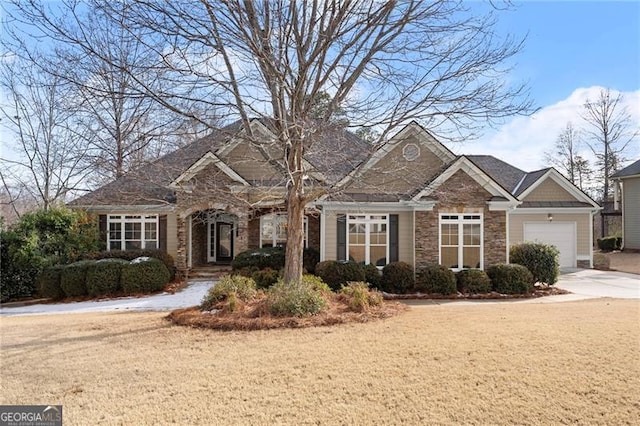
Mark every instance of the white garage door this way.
pixel 560 234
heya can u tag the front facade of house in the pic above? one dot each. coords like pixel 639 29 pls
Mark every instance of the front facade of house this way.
pixel 409 200
pixel 628 193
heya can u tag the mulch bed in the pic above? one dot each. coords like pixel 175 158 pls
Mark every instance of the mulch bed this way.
pixel 253 316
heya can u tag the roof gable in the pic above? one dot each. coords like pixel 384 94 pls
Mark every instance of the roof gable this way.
pixel 550 185
pixel 466 165
pixel 391 159
pixel 208 159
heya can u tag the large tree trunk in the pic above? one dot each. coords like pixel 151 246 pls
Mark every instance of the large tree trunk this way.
pixel 295 235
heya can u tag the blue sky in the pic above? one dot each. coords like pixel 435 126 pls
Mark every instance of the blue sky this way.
pixel 572 49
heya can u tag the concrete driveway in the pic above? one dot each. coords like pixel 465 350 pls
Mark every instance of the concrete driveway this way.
pixel 593 283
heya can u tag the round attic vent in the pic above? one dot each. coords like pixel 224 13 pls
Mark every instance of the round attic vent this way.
pixel 411 151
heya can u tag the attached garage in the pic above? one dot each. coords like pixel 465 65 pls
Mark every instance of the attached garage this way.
pixel 560 234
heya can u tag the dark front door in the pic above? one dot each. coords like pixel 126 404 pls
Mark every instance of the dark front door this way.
pixel 224 242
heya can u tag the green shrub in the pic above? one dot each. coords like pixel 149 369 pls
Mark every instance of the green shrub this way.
pixel 20 264
pixel 144 275
pixel 436 279
pixel 336 273
pixel 373 276
pixel 316 283
pixel 473 281
pixel 609 243
pixel 359 297
pixel 73 279
pixel 398 277
pixel 263 258
pixel 295 299
pixel 129 255
pixel 48 282
pixel 242 288
pixel 542 260
pixel 510 279
pixel 104 277
pixel 265 278
pixel 310 258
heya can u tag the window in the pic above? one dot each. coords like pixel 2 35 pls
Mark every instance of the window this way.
pixel 411 152
pixel 273 230
pixel 461 241
pixel 368 239
pixel 132 232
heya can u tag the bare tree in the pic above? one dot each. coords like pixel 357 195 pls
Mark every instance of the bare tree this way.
pixel 47 153
pixel 382 63
pixel 563 156
pixel 609 130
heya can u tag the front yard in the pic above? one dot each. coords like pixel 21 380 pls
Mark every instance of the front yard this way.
pixel 499 363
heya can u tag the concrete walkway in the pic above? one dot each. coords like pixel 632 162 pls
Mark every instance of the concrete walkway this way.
pixel 593 283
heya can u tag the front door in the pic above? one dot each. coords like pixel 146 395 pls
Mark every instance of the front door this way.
pixel 224 242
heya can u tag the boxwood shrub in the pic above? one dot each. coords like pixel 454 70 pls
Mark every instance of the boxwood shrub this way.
pixel 474 281
pixel 129 255
pixel 144 275
pixel 609 243
pixel 510 279
pixel 262 258
pixel 104 277
pixel 337 273
pixel 48 282
pixel 438 279
pixel 73 279
pixel 542 260
pixel 373 276
pixel 398 277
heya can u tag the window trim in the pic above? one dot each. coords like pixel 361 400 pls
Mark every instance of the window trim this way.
pixel 274 235
pixel 140 218
pixel 461 219
pixel 366 219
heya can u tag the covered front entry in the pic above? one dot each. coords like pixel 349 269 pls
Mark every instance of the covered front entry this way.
pixel 212 238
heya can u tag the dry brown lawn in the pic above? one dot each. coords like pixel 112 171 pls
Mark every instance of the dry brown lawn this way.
pixel 435 364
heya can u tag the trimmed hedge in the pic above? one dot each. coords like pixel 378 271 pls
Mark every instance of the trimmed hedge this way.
pixel 373 276
pixel 542 260
pixel 272 258
pixel 474 281
pixel 510 279
pixel 438 279
pixel 398 277
pixel 134 254
pixel 336 273
pixel 609 243
pixel 104 277
pixel 48 282
pixel 73 279
pixel 144 275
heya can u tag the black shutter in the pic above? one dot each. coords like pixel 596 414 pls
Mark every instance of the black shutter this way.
pixel 102 230
pixel 162 233
pixel 342 237
pixel 393 238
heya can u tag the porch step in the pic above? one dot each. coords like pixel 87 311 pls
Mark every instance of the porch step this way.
pixel 200 273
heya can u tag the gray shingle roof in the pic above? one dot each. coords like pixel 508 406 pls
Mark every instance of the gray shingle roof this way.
pixel 504 174
pixel 530 179
pixel 631 170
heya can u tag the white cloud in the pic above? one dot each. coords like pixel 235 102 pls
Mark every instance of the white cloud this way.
pixel 523 141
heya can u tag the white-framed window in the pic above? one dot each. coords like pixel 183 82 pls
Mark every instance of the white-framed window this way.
pixel 461 241
pixel 132 232
pixel 273 230
pixel 368 238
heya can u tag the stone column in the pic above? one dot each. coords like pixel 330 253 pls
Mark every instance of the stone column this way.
pixel 181 261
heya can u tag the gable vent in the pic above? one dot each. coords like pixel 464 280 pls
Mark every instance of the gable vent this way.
pixel 411 151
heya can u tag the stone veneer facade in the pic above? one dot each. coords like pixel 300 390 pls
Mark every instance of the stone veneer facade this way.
pixel 460 194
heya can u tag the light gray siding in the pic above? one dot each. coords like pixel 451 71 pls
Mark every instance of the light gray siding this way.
pixel 631 212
